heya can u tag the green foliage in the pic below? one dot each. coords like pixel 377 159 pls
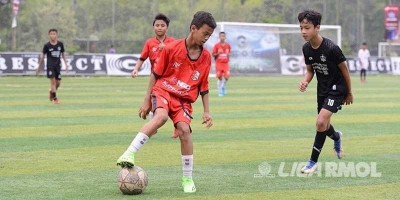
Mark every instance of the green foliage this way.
pixel 80 21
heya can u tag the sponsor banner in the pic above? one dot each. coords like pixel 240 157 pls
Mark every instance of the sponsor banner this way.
pixel 18 63
pixel 254 49
pixel 86 64
pixel 78 64
pixel 377 65
pixel 294 65
pixel 123 64
pixel 391 22
pixel 395 63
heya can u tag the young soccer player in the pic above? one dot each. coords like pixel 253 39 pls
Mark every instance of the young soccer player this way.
pixel 221 53
pixel 363 59
pixel 155 44
pixel 153 47
pixel 326 60
pixel 179 76
pixel 54 51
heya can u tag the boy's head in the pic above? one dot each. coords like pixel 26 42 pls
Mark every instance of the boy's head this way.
pixel 364 45
pixel 310 16
pixel 310 22
pixel 160 24
pixel 202 27
pixel 53 34
pixel 222 37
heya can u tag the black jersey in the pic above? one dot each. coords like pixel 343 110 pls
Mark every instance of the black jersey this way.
pixel 53 53
pixel 325 61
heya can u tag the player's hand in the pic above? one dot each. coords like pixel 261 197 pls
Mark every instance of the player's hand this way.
pixel 37 70
pixel 134 73
pixel 207 120
pixel 348 99
pixel 303 86
pixel 145 109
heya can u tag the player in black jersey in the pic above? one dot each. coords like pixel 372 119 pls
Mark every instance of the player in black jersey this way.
pixel 54 51
pixel 326 60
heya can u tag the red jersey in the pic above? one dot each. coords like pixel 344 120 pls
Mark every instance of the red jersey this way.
pixel 179 75
pixel 223 50
pixel 151 50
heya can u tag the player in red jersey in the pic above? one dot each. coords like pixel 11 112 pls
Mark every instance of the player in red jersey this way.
pixel 155 44
pixel 179 76
pixel 221 53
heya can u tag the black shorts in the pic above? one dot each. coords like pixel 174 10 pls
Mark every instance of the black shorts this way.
pixel 332 103
pixel 54 72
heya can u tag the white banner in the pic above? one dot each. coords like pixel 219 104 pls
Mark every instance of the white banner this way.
pixel 293 65
pixel 123 64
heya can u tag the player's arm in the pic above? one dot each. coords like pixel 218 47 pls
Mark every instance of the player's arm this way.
pixel 207 119
pixel 146 106
pixel 143 56
pixel 135 70
pixel 307 78
pixel 65 61
pixel 215 52
pixel 41 61
pixel 346 75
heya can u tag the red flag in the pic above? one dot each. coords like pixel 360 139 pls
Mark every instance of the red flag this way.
pixel 15 7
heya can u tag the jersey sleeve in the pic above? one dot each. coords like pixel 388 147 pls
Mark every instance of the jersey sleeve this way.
pixel 338 55
pixel 45 49
pixel 306 61
pixel 62 48
pixel 215 49
pixel 204 82
pixel 161 63
pixel 145 51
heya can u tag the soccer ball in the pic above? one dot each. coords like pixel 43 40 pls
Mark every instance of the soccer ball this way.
pixel 132 180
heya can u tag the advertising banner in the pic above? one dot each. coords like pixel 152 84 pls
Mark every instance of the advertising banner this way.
pixel 391 21
pixel 254 49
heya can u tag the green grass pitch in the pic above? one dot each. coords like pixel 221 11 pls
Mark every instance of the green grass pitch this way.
pixel 69 151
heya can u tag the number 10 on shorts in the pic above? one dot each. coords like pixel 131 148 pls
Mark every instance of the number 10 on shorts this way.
pixel 331 102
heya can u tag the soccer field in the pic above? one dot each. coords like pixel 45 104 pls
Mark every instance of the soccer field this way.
pixel 69 151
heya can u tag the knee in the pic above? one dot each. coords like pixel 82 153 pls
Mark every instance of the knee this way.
pixel 321 125
pixel 160 119
pixel 185 134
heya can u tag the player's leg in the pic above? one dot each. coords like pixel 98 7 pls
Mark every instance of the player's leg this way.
pixel 181 116
pixel 363 75
pixel 226 78
pixel 219 79
pixel 334 104
pixel 50 75
pixel 322 124
pixel 185 137
pixel 160 117
pixel 57 81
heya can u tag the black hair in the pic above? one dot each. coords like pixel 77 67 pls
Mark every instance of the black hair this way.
pixel 201 18
pixel 222 32
pixel 53 29
pixel 161 16
pixel 311 16
pixel 364 43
